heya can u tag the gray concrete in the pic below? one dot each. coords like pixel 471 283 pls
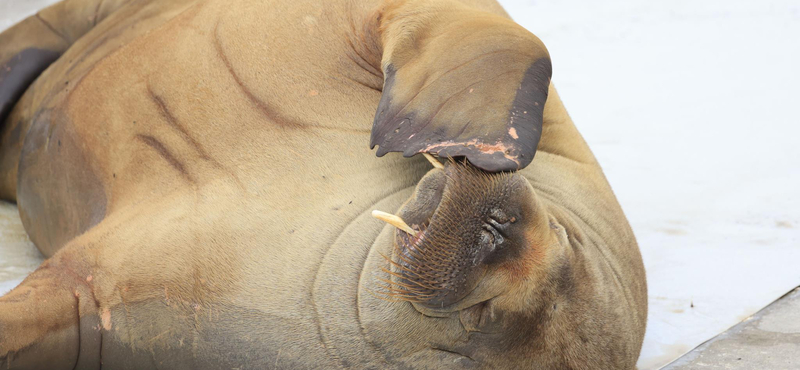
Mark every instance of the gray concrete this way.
pixel 768 340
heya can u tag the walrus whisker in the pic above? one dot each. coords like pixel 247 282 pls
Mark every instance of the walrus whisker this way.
pixel 389 296
pixel 404 268
pixel 407 277
pixel 394 220
pixel 399 266
pixel 400 294
pixel 435 162
pixel 414 285
pixel 409 296
pixel 403 287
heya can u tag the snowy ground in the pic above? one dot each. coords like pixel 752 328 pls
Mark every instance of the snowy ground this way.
pixel 691 107
pixel 18 256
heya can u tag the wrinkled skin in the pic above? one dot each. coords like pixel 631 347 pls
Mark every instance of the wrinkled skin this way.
pixel 199 174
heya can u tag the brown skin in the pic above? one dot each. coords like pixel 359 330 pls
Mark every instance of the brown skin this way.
pixel 199 173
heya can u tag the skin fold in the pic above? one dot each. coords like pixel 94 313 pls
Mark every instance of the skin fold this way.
pixel 199 174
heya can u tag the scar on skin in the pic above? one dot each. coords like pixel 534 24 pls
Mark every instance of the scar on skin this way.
pixel 499 146
pixel 105 318
pixel 89 279
pixel 313 93
pixel 513 132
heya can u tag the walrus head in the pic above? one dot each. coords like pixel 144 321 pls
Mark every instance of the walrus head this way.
pixel 471 235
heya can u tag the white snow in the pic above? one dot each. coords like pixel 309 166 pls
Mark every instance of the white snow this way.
pixel 12 11
pixel 692 109
pixel 691 106
pixel 18 256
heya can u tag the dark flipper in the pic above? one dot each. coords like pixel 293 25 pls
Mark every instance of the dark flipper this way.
pixel 26 51
pixel 459 82
pixel 19 72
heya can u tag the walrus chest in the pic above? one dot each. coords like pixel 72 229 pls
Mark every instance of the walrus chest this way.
pixel 196 100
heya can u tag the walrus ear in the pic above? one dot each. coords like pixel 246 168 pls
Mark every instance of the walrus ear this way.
pixel 459 82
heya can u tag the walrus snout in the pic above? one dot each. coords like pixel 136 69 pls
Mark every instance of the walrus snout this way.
pixel 469 221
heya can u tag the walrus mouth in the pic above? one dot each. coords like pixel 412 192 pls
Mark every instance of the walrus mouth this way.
pixel 461 224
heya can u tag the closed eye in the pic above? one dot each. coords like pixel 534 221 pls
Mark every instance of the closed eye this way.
pixel 495 230
pixel 498 226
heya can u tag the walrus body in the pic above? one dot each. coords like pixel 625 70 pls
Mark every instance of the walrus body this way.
pixel 199 173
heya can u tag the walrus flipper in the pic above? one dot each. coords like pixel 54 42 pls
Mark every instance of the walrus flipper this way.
pixel 18 72
pixel 460 82
pixel 44 324
pixel 26 50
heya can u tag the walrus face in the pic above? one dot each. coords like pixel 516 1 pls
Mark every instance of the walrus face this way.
pixel 474 234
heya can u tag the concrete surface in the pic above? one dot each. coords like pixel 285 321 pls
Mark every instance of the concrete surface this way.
pixel 768 340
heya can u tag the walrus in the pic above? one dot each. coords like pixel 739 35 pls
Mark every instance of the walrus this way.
pixel 202 176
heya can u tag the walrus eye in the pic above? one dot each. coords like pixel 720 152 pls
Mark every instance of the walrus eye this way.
pixel 493 235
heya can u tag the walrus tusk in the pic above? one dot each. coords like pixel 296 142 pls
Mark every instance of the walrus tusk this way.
pixel 435 162
pixel 394 220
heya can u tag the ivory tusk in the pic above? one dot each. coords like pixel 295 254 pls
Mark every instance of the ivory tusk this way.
pixel 394 220
pixel 435 162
